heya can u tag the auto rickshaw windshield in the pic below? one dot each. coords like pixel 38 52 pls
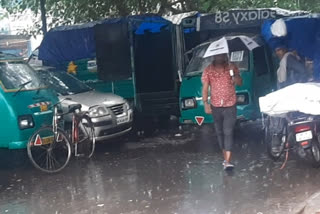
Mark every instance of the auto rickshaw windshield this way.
pixel 198 63
pixel 15 74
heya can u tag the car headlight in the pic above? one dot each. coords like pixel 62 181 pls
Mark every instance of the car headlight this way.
pixel 189 103
pixel 99 111
pixel 242 99
pixel 25 122
pixel 126 106
pixel 130 103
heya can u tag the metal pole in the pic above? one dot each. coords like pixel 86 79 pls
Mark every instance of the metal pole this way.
pixel 112 85
pixel 132 63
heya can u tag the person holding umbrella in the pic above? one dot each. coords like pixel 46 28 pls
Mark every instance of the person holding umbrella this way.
pixel 221 77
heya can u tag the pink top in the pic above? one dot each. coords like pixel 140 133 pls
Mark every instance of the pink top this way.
pixel 222 89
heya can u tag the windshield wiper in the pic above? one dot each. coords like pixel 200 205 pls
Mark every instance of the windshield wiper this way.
pixel 81 91
pixel 39 88
pixel 21 87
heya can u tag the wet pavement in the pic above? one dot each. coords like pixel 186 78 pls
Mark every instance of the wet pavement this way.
pixel 173 171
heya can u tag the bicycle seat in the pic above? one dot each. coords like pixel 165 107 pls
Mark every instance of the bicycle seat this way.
pixel 74 107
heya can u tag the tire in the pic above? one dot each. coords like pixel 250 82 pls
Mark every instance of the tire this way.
pixel 86 136
pixel 270 140
pixel 49 157
pixel 313 154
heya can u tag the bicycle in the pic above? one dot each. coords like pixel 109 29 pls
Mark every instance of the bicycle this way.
pixel 49 148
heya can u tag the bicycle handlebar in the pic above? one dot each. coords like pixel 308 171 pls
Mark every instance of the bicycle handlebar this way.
pixel 60 101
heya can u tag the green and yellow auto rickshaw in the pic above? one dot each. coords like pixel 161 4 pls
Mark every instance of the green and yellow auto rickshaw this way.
pixel 256 69
pixel 25 103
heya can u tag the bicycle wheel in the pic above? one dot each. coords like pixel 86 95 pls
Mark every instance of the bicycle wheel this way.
pixel 49 152
pixel 85 136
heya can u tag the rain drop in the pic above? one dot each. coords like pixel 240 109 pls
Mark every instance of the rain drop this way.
pixel 287 176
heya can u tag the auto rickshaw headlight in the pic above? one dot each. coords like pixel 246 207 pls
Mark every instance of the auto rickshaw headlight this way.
pixel 188 103
pixel 242 99
pixel 25 122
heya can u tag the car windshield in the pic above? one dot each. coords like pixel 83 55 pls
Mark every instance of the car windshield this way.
pixel 198 63
pixel 14 75
pixel 64 83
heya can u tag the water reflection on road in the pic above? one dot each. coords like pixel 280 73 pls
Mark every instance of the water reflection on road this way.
pixel 163 174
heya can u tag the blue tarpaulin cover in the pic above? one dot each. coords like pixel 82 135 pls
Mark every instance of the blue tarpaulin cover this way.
pixel 303 36
pixel 69 43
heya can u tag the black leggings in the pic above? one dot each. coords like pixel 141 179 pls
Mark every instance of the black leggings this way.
pixel 224 121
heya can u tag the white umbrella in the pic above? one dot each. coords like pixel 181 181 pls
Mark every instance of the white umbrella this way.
pixel 230 43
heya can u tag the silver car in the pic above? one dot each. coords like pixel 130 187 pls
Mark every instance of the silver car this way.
pixel 110 113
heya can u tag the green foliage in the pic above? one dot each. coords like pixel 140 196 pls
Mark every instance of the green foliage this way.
pixel 64 12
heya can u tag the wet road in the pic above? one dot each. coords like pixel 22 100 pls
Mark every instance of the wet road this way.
pixel 164 174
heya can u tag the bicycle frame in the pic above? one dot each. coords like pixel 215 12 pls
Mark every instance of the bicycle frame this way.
pixel 55 120
pixel 75 134
pixel 74 126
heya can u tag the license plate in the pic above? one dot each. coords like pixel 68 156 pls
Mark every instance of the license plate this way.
pixel 122 120
pixel 304 136
pixel 43 108
pixel 40 141
pixel 47 140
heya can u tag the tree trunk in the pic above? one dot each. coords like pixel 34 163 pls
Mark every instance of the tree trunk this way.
pixel 43 16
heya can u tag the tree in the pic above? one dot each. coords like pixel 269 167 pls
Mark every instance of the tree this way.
pixel 43 16
pixel 65 12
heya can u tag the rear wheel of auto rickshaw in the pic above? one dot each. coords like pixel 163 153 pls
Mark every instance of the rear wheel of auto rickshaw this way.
pixel 313 154
pixel 274 143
